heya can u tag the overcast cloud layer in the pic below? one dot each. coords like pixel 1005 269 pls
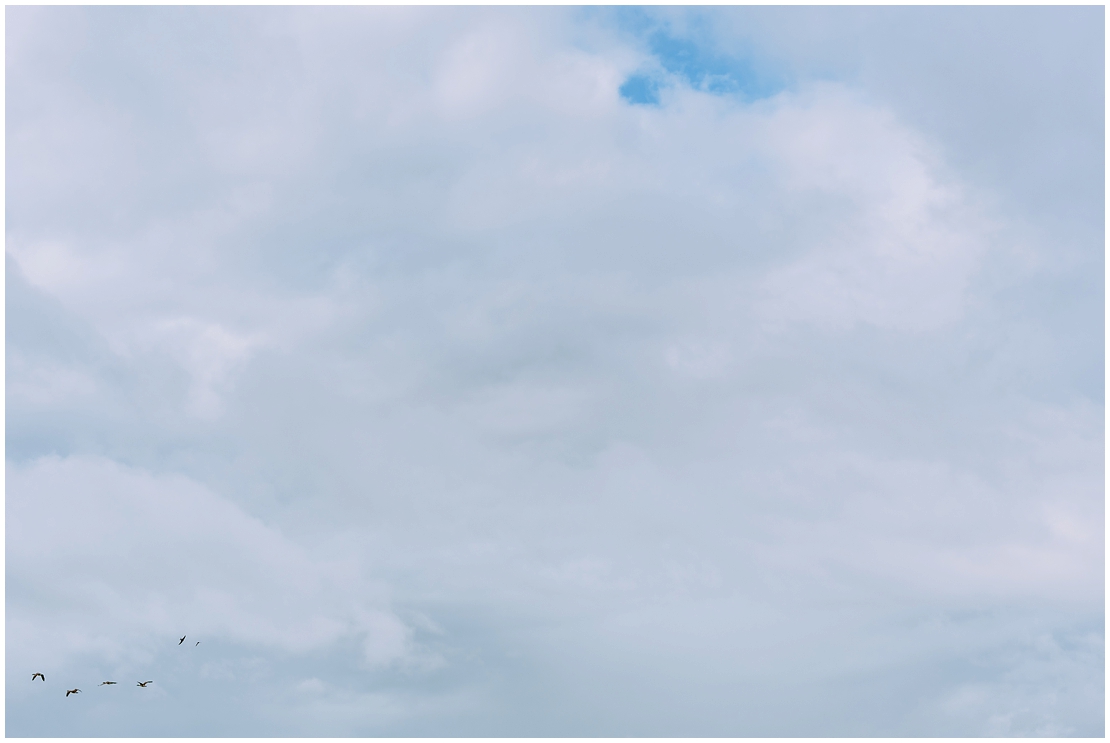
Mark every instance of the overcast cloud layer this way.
pixel 554 371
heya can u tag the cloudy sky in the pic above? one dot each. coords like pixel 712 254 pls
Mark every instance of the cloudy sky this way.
pixel 555 372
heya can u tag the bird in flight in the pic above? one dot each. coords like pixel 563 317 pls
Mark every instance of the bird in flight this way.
pixel 37 676
pixel 182 640
pixel 198 643
pixel 105 683
pixel 71 691
pixel 144 683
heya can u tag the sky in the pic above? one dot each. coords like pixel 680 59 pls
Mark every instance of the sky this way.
pixel 555 371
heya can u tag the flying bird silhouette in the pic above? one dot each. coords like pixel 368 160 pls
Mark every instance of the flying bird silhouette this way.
pixel 198 643
pixel 182 639
pixel 144 683
pixel 105 683
pixel 37 676
pixel 71 691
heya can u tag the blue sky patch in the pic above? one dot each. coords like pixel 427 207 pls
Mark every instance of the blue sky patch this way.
pixel 699 64
pixel 641 89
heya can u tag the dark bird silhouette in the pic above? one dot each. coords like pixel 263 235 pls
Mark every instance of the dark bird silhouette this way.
pixel 198 643
pixel 182 639
pixel 71 691
pixel 37 676
pixel 105 683
pixel 144 683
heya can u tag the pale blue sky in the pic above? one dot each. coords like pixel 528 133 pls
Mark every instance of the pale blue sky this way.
pixel 555 371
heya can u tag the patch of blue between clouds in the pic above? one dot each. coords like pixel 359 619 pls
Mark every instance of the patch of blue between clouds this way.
pixel 697 64
pixel 640 89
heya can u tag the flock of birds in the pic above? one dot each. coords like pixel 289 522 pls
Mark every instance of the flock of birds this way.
pixel 75 690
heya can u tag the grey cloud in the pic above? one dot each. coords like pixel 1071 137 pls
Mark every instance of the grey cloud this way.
pixel 476 401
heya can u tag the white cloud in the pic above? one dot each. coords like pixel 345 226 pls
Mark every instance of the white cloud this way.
pixel 999 527
pixel 699 359
pixel 901 245
pixel 139 557
pixel 451 392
